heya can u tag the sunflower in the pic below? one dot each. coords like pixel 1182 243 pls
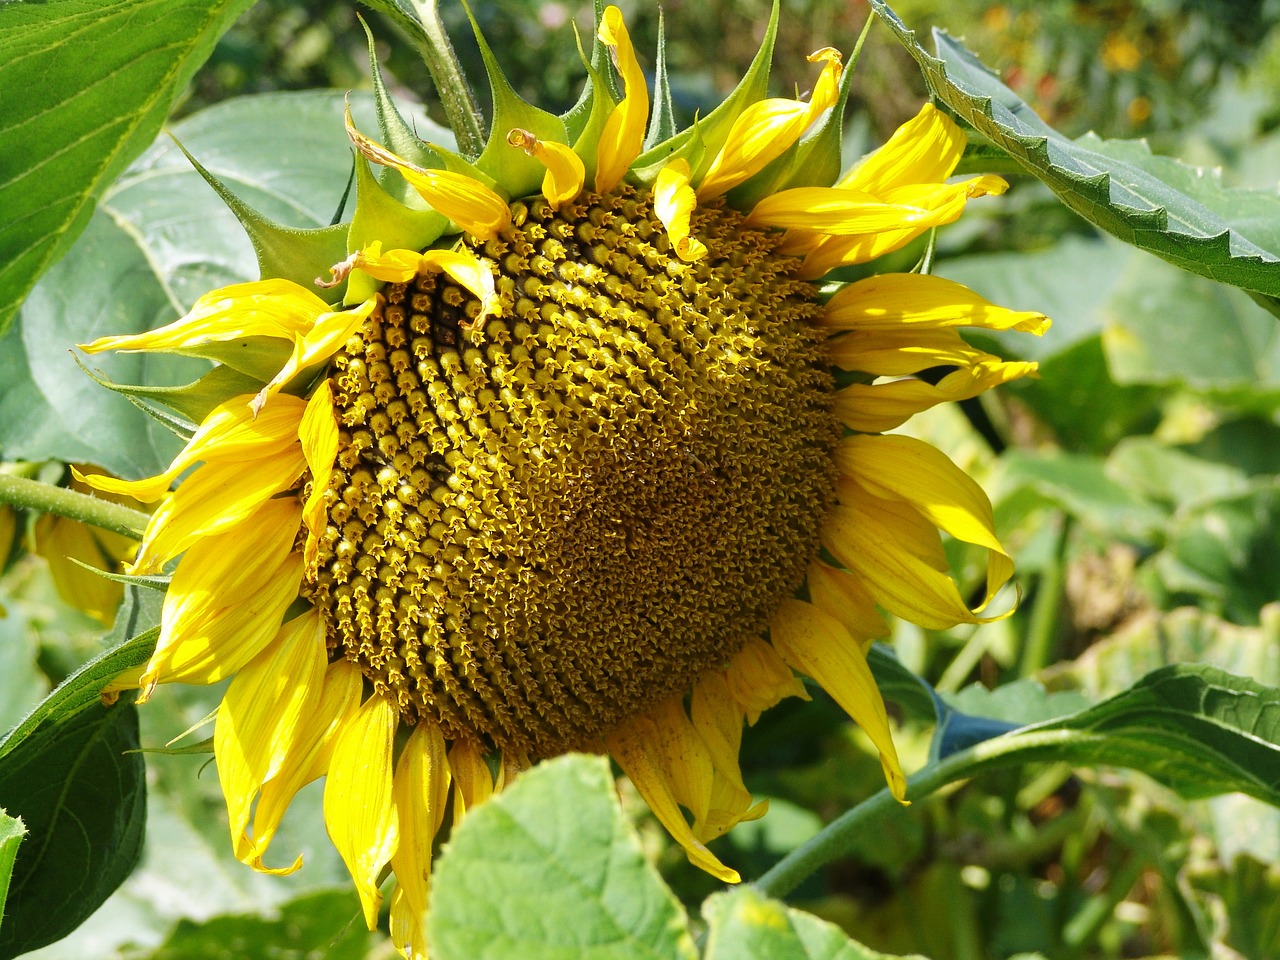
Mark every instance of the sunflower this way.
pixel 572 451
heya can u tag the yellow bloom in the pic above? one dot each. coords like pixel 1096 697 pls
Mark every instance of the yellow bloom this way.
pixel 562 482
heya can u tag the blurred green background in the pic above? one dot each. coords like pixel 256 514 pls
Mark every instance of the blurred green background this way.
pixel 1135 481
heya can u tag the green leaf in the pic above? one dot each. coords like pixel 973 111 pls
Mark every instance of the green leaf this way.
pixel 1212 232
pixel 83 799
pixel 74 122
pixel 900 685
pixel 1081 486
pixel 1194 728
pixel 548 869
pixel 161 237
pixel 746 925
pixel 12 831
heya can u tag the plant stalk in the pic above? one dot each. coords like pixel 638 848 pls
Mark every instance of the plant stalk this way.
pixel 460 107
pixel 29 494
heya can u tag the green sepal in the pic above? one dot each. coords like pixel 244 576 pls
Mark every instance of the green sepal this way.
pixel 586 143
pixel 396 133
pixel 380 216
pixel 287 253
pixel 662 121
pixel 714 129
pixel 160 583
pixel 579 117
pixel 518 173
pixel 195 400
pixel 204 746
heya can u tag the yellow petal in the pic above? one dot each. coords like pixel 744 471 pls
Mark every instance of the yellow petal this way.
pixel 408 932
pixel 894 353
pixel 877 551
pixel 890 300
pixel 307 757
pixel 359 808
pixel 838 594
pixel 718 719
pixel 215 499
pixel 227 599
pixel 912 470
pixel 565 174
pixel 837 212
pixel 872 408
pixel 640 748
pixel 421 790
pixel 467 202
pixel 229 434
pixel 264 308
pixel 623 135
pixel 319 436
pixel 327 336
pixel 767 129
pixel 258 720
pixel 472 782
pixel 758 679
pixel 673 204
pixel 62 542
pixel 817 645
pixel 925 149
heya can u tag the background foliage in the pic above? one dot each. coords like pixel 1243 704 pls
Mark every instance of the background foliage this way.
pixel 1135 481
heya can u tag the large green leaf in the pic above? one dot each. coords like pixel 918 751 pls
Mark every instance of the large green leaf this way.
pixel 67 770
pixel 1194 728
pixel 1188 219
pixel 550 870
pixel 83 799
pixel 160 238
pixel 87 87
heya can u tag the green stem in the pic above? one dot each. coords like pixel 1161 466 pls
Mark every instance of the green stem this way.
pixel 836 839
pixel 33 495
pixel 460 107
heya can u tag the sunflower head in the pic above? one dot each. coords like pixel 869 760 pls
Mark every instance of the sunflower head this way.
pixel 575 446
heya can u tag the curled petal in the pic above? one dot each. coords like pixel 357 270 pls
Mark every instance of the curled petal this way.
pixel 326 337
pixel 565 174
pixel 898 467
pixel 767 128
pixel 319 436
pixel 464 200
pixel 673 203
pixel 473 784
pixel 421 791
pixel 925 149
pixel 838 594
pixel 758 679
pixel 308 755
pixel 623 135
pixel 229 434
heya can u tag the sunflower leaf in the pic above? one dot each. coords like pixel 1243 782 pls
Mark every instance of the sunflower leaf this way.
pixel 746 925
pixel 83 799
pixel 81 119
pixel 1195 728
pixel 549 868
pixel 159 239
pixel 1155 203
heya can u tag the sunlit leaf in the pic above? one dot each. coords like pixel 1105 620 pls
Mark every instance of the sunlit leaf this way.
pixel 1211 231
pixel 73 121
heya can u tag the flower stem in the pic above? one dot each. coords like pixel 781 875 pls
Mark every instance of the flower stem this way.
pixel 836 839
pixel 33 495
pixel 460 107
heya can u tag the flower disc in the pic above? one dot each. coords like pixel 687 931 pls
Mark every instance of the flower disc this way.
pixel 543 524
